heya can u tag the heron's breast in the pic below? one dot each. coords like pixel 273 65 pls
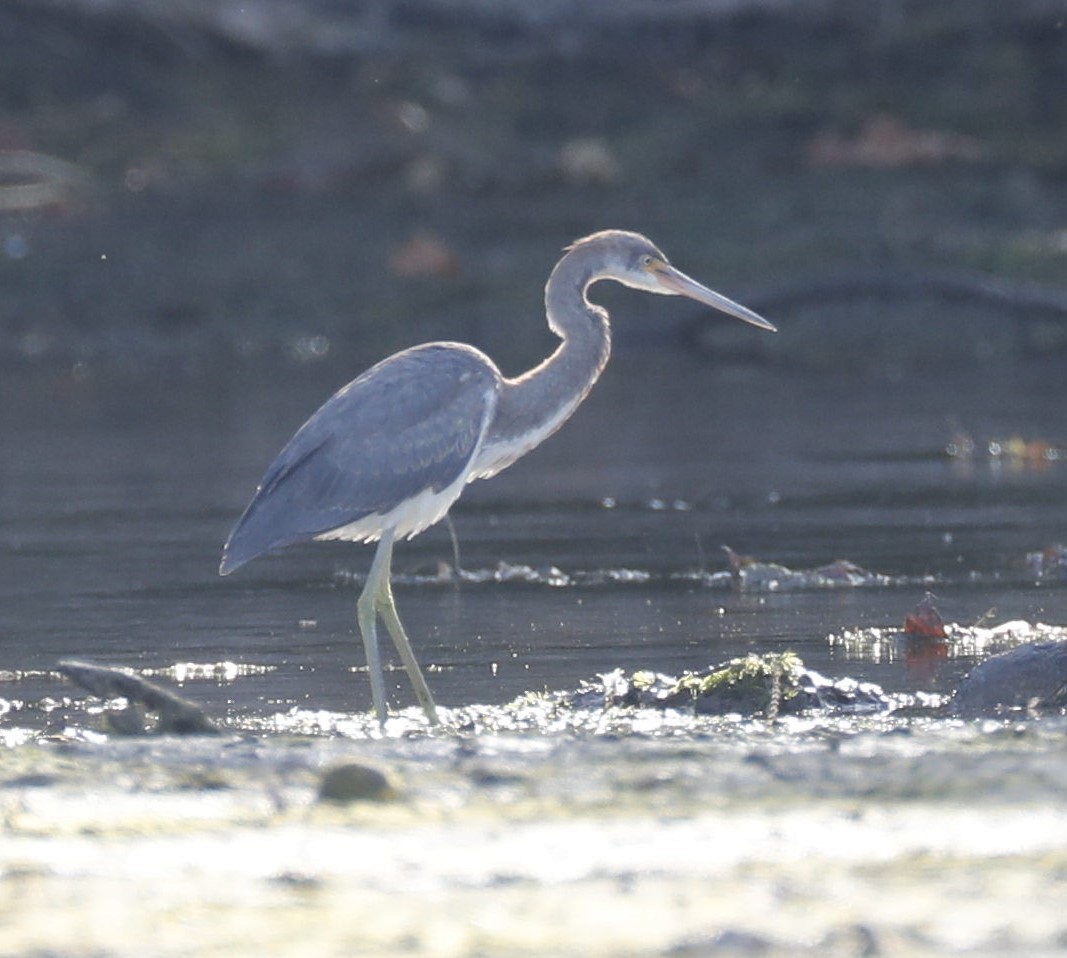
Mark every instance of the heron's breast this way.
pixel 511 440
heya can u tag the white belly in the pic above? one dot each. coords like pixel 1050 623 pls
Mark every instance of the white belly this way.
pixel 408 519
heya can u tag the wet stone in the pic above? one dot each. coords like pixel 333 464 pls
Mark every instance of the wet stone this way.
pixel 767 685
pixel 1031 677
pixel 354 782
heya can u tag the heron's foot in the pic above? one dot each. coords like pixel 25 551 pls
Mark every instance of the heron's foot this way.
pixel 428 706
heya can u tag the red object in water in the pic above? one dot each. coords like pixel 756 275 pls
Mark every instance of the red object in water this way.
pixel 924 620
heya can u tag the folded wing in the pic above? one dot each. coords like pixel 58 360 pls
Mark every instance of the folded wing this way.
pixel 392 449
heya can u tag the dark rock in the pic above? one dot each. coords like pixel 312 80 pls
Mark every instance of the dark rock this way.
pixel 1031 677
pixel 847 694
pixel 353 782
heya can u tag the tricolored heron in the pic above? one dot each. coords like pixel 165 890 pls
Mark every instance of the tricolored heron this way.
pixel 387 456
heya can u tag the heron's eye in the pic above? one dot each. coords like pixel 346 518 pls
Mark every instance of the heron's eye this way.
pixel 648 261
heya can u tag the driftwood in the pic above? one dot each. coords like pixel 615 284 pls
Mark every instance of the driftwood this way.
pixel 174 715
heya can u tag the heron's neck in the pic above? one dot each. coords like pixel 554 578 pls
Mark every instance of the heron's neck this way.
pixel 534 405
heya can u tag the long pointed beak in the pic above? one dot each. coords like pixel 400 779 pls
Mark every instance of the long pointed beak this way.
pixel 675 281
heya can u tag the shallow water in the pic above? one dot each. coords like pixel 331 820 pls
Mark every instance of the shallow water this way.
pixel 599 550
pixel 813 835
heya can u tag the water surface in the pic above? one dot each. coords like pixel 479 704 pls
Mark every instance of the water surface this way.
pixel 601 549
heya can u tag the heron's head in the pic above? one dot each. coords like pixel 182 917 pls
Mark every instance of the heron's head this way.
pixel 635 261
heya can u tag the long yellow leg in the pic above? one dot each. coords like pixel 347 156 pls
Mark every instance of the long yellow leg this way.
pixel 387 610
pixel 377 599
pixel 367 616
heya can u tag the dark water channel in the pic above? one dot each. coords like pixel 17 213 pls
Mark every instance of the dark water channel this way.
pixel 599 550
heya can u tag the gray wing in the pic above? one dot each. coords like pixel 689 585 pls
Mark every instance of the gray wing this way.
pixel 409 425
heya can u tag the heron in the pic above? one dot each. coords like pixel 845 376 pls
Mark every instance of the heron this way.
pixel 386 456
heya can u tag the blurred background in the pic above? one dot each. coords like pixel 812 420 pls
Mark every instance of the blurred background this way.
pixel 213 214
pixel 189 182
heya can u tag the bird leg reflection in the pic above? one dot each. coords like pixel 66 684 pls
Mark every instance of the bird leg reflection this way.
pixel 377 599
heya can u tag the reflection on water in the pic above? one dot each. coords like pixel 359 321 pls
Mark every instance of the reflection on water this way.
pixel 600 550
